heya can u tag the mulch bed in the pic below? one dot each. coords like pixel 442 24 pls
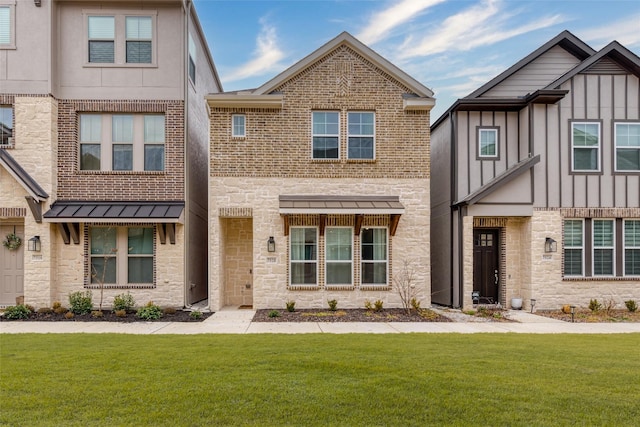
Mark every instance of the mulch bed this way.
pixel 587 316
pixel 349 315
pixel 109 316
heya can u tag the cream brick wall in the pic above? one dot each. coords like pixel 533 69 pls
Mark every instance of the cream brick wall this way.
pixel 260 196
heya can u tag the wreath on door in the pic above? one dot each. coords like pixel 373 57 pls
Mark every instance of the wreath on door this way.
pixel 12 241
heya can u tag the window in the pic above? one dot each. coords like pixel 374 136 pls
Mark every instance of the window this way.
pixel 373 252
pixel 603 247
pixel 7 30
pixel 102 39
pixel 632 248
pixel 304 255
pixel 121 255
pixel 238 125
pixel 361 140
pixel 488 143
pixel 192 59
pixel 627 140
pixel 6 125
pixel 139 35
pixel 573 247
pixel 122 142
pixel 326 131
pixel 585 147
pixel 339 255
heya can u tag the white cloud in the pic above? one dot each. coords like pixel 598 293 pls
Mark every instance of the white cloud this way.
pixel 625 31
pixel 267 56
pixel 480 25
pixel 383 22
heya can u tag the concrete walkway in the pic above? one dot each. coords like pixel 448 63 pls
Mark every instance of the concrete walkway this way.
pixel 239 322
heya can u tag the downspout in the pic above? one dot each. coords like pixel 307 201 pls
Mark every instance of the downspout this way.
pixel 454 183
pixel 186 4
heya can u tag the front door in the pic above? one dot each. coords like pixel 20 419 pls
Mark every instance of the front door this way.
pixel 238 261
pixel 485 265
pixel 11 267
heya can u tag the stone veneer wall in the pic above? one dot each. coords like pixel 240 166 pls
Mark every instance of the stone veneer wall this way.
pixel 259 197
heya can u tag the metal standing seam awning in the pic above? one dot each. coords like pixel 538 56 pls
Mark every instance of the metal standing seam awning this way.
pixel 69 214
pixel 358 206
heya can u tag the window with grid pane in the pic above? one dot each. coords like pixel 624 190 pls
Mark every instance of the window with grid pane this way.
pixel 632 247
pixel 585 143
pixel 573 247
pixel 627 140
pixel 361 142
pixel 139 36
pixel 326 131
pixel 238 125
pixel 338 255
pixel 101 39
pixel 303 255
pixel 373 254
pixel 603 247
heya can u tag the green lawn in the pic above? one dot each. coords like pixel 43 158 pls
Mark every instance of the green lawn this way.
pixel 319 379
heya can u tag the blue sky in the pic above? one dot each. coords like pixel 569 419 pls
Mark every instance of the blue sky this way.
pixel 450 46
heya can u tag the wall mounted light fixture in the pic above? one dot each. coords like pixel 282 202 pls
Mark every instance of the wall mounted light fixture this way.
pixel 33 244
pixel 550 245
pixel 271 244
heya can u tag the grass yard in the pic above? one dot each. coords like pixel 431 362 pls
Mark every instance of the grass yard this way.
pixel 319 379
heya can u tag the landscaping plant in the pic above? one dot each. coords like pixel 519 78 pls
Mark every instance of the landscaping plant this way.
pixel 149 312
pixel 80 302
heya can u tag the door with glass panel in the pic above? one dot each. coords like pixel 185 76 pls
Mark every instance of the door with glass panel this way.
pixel 485 265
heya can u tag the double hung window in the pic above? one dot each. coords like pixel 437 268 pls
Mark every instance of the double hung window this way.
pixel 585 146
pixel 603 247
pixel 304 256
pixel 374 256
pixel 139 37
pixel 487 142
pixel 326 134
pixel 238 125
pixel 339 255
pixel 6 125
pixel 7 29
pixel 102 33
pixel 116 38
pixel 361 142
pixel 632 247
pixel 192 60
pixel 627 140
pixel 573 247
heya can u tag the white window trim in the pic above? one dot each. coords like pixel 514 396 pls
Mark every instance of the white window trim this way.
pixel 594 247
pixel 615 146
pixel 624 249
pixel 373 135
pixel 120 40
pixel 244 126
pixel 323 135
pixel 494 130
pixel 12 24
pixel 316 261
pixel 386 261
pixel 598 147
pixel 582 248
pixel 327 261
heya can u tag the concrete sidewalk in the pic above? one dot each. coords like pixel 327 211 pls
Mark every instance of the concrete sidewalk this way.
pixel 240 322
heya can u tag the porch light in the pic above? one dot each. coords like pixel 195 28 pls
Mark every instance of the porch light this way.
pixel 533 304
pixel 271 244
pixel 550 245
pixel 573 312
pixel 33 244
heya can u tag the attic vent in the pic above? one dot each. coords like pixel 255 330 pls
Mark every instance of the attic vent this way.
pixel 605 66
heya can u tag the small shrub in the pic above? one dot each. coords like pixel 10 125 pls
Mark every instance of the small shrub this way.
pixel 333 304
pixel 56 304
pixel 124 302
pixel 17 312
pixel 274 313
pixel 169 310
pixel 97 314
pixel 415 304
pixel 368 305
pixel 80 302
pixel 195 314
pixel 566 309
pixel 149 312
pixel 377 306
pixel 31 308
pixel 69 315
pixel 291 306
pixel 594 305
pixel 631 305
pixel 609 306
pixel 60 310
pixel 120 313
pixel 45 310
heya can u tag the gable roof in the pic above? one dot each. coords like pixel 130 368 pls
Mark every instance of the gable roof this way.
pixel 565 39
pixel 422 95
pixel 613 51
pixel 23 178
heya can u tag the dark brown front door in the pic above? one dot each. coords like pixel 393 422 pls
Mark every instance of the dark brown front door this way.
pixel 485 265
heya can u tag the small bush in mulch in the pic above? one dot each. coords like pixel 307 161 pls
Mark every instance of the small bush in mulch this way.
pixel 348 315
pixel 108 316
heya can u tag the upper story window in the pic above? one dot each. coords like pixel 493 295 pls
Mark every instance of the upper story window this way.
pixel 7 27
pixel 627 141
pixel 361 138
pixel 6 125
pixel 122 142
pixel 238 125
pixel 326 134
pixel 192 60
pixel 585 146
pixel 121 39
pixel 488 142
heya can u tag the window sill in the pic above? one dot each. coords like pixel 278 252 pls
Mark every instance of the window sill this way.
pixel 339 287
pixel 375 287
pixel 361 160
pixel 325 160
pixel 128 286
pixel 83 172
pixel 303 287
pixel 601 279
pixel 110 65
